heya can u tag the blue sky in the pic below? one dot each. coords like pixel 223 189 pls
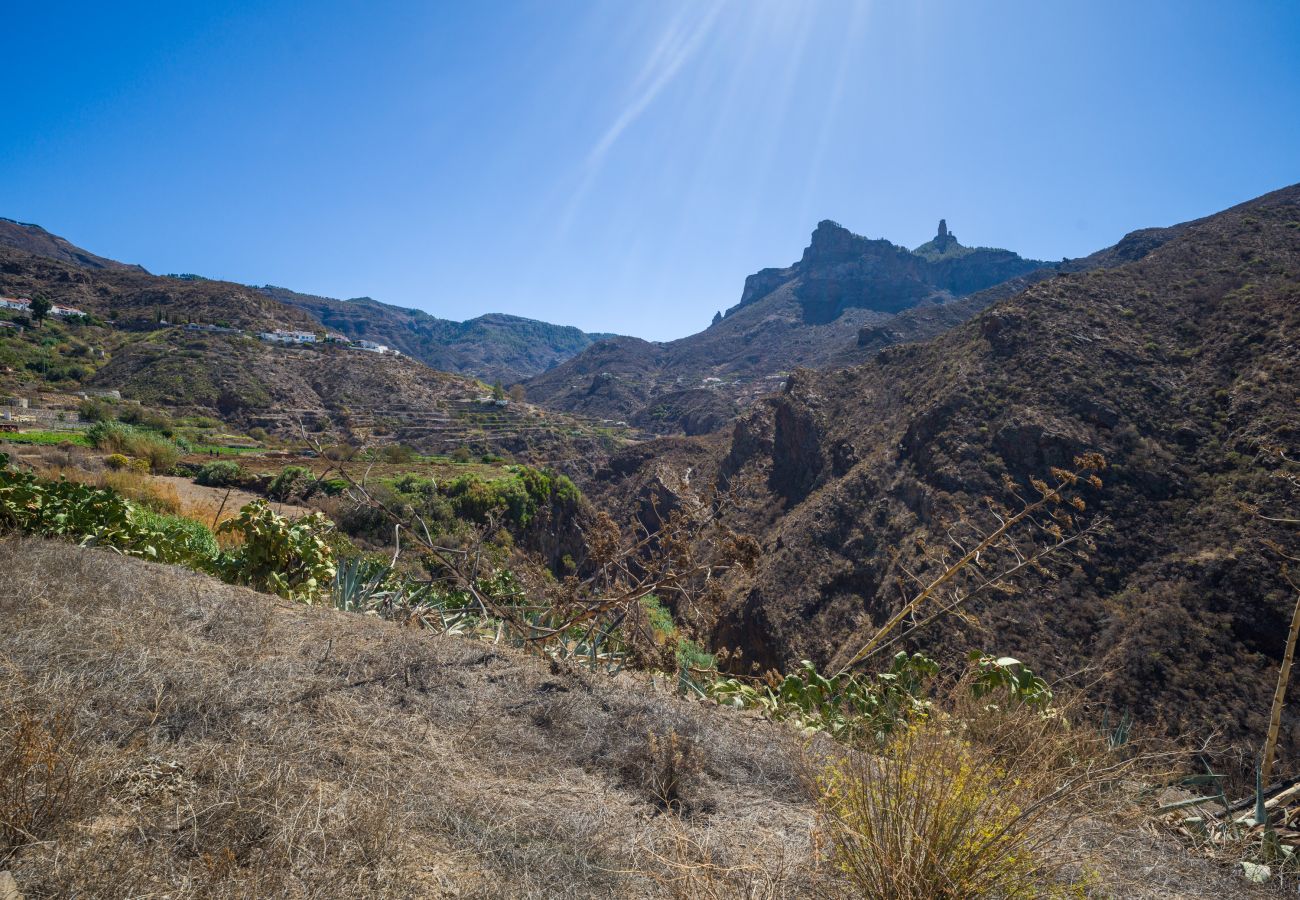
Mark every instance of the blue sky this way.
pixel 623 165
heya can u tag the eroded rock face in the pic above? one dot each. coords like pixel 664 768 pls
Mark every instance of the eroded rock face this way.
pixel 797 433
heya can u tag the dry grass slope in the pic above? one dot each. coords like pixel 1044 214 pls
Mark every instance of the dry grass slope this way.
pixel 163 734
pixel 178 736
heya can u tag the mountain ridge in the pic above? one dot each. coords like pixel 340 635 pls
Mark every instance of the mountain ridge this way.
pixel 803 314
pixel 494 346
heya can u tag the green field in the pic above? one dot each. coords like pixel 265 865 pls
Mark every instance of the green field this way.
pixel 45 437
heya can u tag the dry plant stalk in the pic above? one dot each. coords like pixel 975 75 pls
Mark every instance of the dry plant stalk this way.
pixel 1291 478
pixel 1052 529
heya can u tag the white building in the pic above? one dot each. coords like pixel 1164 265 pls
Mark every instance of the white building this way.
pixel 18 304
pixel 65 311
pixel 280 336
pixel 371 346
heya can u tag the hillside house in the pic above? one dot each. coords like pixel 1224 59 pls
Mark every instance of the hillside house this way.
pixel 17 304
pixel 64 311
pixel 372 347
pixel 280 336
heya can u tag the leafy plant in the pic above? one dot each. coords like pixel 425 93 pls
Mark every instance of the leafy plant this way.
pixel 282 486
pixel 221 473
pixel 289 558
pixel 845 705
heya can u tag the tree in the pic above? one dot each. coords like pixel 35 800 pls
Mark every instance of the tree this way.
pixel 40 308
pixel 518 394
pixel 498 392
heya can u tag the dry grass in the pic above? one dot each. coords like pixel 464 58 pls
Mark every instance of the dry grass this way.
pixel 163 734
pixel 244 747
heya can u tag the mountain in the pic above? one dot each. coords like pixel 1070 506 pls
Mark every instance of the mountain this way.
pixel 1174 355
pixel 35 239
pixel 801 315
pixel 135 343
pixel 494 347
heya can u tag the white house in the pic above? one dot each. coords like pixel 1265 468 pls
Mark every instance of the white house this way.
pixel 19 304
pixel 371 346
pixel 65 311
pixel 280 336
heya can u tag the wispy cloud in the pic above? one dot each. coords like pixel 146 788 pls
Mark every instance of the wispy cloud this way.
pixel 676 45
pixel 680 40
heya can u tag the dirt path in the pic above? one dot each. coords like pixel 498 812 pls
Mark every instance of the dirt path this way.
pixel 196 496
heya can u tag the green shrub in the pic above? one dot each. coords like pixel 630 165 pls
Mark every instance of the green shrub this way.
pixel 116 437
pixel 93 410
pixel 221 473
pixel 282 485
pixel 116 461
pixel 95 517
pixel 184 540
pixel 289 558
pixel 398 453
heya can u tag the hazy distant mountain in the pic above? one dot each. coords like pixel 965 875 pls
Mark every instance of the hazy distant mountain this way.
pixel 805 314
pixel 492 347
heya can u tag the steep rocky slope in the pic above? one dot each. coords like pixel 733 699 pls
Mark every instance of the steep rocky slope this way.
pixel 1179 362
pixel 804 314
pixel 134 299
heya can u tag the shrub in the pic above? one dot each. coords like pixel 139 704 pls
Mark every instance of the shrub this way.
pixel 45 777
pixel 89 516
pixel 289 558
pixel 93 410
pixel 963 799
pixel 221 473
pixel 461 455
pixel 186 541
pixel 116 461
pixel 282 485
pixel 116 437
pixel 397 453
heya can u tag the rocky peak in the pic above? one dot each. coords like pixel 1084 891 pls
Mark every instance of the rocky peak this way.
pixel 831 239
pixel 944 238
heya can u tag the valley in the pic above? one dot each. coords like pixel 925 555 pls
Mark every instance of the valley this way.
pixel 816 490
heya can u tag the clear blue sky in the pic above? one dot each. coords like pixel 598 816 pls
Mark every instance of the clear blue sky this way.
pixel 623 165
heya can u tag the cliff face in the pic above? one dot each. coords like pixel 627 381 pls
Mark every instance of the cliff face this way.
pixel 806 314
pixel 840 270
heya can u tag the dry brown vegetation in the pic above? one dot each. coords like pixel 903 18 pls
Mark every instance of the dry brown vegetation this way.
pixel 165 734
pixel 229 745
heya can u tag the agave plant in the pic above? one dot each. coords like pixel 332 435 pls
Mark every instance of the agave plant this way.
pixel 359 584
